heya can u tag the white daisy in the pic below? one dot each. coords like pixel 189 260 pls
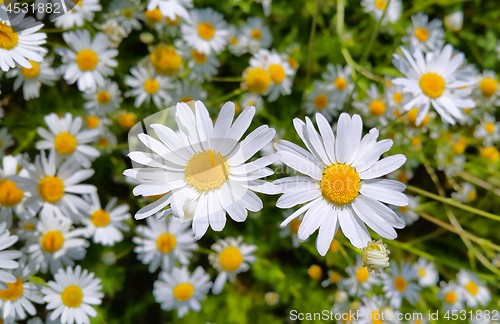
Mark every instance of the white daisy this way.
pixel 407 213
pixel 401 283
pixel 321 99
pixel 488 130
pixel 426 272
pixel 376 8
pixel 106 225
pixel 127 13
pixel 7 258
pixel 231 257
pixel 113 31
pixel 166 59
pixel 164 242
pixel 466 194
pixel 256 34
pixel 237 43
pixel 88 61
pixel 148 86
pixel 206 31
pixel 395 99
pixel 281 76
pixel 56 244
pixel 291 230
pixel 454 21
pixel 424 34
pixel 84 10
pixel 373 310
pixel 359 279
pixel 334 277
pixel 340 186
pixel 476 292
pixel 72 295
pixel 19 47
pixel 187 91
pixel 452 295
pixel 373 108
pixel 181 290
pixel 66 137
pixel 103 99
pixel 31 79
pixel 202 66
pixel 435 80
pixel 486 90
pixel 172 8
pixel 339 78
pixel 253 100
pixel 203 167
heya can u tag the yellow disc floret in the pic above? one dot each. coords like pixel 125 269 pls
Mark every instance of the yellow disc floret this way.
pixel 72 296
pixel 362 274
pixel 65 143
pixel 432 84
pixel 340 184
pixel 377 107
pixel 400 283
pixel 321 101
pixel 87 60
pixel 421 34
pixel 198 57
pixel 33 72
pixel 165 59
pixel 472 288
pixel 51 189
pixel 166 242
pixel 103 97
pixel 230 258
pixel 207 171
pixel 52 241
pixel 257 80
pixel 206 30
pixel 277 73
pixel 183 291
pixel 340 83
pixel 488 86
pixel 13 291
pixel 151 86
pixel 100 218
pixel 8 37
pixel 10 194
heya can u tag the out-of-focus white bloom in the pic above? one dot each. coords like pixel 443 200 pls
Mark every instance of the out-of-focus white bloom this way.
pixel 375 256
pixel 454 21
pixel 376 8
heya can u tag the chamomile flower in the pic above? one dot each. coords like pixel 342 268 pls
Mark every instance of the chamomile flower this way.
pixel 407 213
pixel 476 293
pixel 339 78
pixel 376 8
pixel 435 80
pixel 231 257
pixel 187 91
pixel 87 61
pixel 127 14
pixel 359 279
pixel 452 295
pixel 56 244
pixel 106 225
pixel 172 8
pixel 426 272
pixel 256 34
pixel 203 167
pixel 339 185
pixel 6 140
pixel 291 230
pixel 82 12
pixel 424 34
pixel 374 309
pixel 487 88
pixel 166 59
pixel 103 99
pixel 333 278
pixel 20 47
pixel 206 31
pixel 401 283
pixel 375 256
pixel 181 290
pixel 454 21
pixel 395 99
pixel 466 194
pixel 202 66
pixel 147 86
pixel 66 137
pixel 237 43
pixel 488 130
pixel 72 295
pixel 252 100
pixel 321 99
pixel 113 31
pixel 281 76
pixel 7 258
pixel 163 243
pixel 31 79
pixel 374 107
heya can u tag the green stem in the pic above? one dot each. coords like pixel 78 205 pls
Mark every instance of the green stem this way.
pixel 27 141
pixel 226 79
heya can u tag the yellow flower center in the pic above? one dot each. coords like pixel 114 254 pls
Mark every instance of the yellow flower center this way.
pixel 340 83
pixel 422 34
pixel 127 120
pixel 72 296
pixel 207 171
pixel 92 121
pixel 206 30
pixel 198 57
pixel 412 118
pixel 154 15
pixel 460 145
pixel 404 209
pixel 183 291
pixel 335 277
pixel 87 60
pixel 65 143
pixel 362 274
pixel 51 189
pixel 490 152
pixel 488 86
pixel 165 60
pixel 52 241
pixel 294 226
pixel 151 86
pixel 471 196
pixel 472 288
pixel 100 218
pixel 256 34
pixel 10 194
pixel 398 98
pixel 230 258
pixel 234 40
pixel 421 272
pixel 29 227
pixel 128 13
pixel 33 72
pixel 450 297
pixel 186 99
pixel 321 101
pixel 432 84
pixel 103 97
pixel 173 22
pixel 334 246
pixel 380 4
pixel 415 141
pixel 489 127
pixel 166 242
pixel 377 107
pixel 14 290
pixel 257 80
pixel 340 184
pixel 103 142
pixel 400 283
pixel 376 317
pixel 293 62
pixel 315 272
pixel 8 37
pixel 277 73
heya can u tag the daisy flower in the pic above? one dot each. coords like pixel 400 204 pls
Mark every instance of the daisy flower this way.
pixel 147 86
pixel 172 8
pixel 395 99
pixel 339 78
pixel 486 89
pixel 72 295
pixel 291 231
pixel 424 34
pixel 333 278
pixel 321 100
pixel 103 99
pixel 19 47
pixel 488 130
pixel 339 185
pixel 237 43
pixel 476 293
pixel 206 31
pixel 435 80
pixel 187 91
pixel 452 295
pixel 7 258
pixel 202 66
pixel 231 257
pixel 359 279
pixel 113 31
pixel 31 79
pixel 106 225
pixel 375 256
pixel 166 59
pixel 127 13
pixel 407 213
pixel 203 167
pixel 253 100
pixel 66 137
pixel 401 283
pixel 454 21
pixel 56 244
pixel 18 298
pixel 374 107
pixel 88 61
pixel 6 140
pixel 376 8
pixel 164 242
pixel 426 272
pixel 281 76
pixel 83 11
pixel 466 194
pixel 257 34
pixel 375 310
pixel 181 290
